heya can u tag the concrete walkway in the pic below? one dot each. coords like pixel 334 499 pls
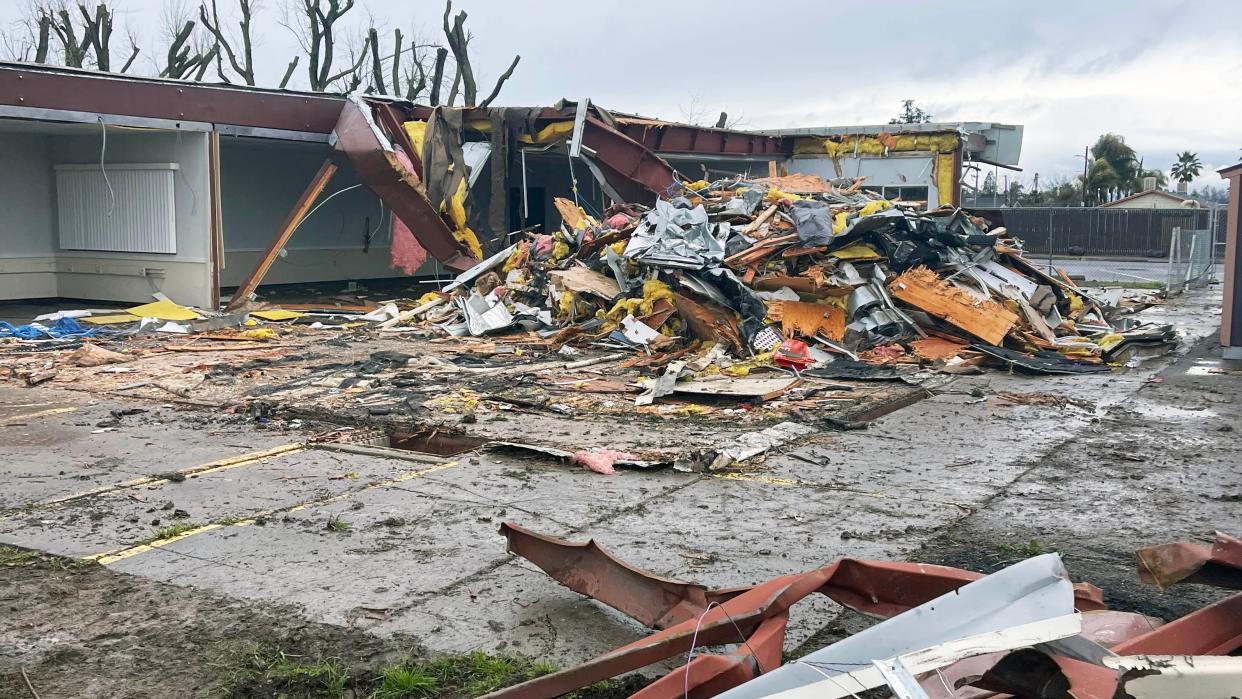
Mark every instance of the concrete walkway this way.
pixel 408 544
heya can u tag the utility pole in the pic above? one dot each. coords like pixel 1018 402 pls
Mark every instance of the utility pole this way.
pixel 1085 159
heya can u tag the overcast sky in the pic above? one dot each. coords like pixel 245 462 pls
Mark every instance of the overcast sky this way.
pixel 1166 75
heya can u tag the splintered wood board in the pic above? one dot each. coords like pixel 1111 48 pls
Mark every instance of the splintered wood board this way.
pixel 921 288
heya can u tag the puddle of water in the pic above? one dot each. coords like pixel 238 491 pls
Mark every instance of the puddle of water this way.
pixel 434 442
pixel 1172 412
pixel 1206 367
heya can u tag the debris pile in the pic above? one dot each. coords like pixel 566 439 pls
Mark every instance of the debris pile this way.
pixel 1025 630
pixel 791 273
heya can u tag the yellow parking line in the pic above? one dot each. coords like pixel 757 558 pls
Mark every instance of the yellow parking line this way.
pixel 769 480
pixel 114 555
pixel 107 557
pixel 9 421
pixel 209 467
pixel 392 481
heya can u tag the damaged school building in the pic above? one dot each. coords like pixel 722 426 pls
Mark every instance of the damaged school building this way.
pixel 621 297
pixel 115 187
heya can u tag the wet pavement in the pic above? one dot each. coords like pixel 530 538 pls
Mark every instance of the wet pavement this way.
pixel 408 544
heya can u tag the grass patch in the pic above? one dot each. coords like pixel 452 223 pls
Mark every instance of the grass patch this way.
pixel 255 672
pixel 465 675
pixel 1030 549
pixel 174 529
pixel 14 557
pixel 11 557
pixel 336 524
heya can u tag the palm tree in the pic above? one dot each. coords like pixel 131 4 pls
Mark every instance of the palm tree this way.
pixel 1187 167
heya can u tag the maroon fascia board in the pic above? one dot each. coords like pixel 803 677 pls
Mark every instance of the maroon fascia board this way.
pixel 383 174
pixel 41 87
pixel 74 90
pixel 687 139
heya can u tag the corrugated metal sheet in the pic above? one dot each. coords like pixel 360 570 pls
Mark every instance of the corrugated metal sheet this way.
pixel 133 209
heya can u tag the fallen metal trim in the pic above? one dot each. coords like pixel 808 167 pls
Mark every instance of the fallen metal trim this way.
pixel 377 167
pixel 590 570
pixel 629 158
pixel 1169 564
pixel 874 587
pixel 1212 630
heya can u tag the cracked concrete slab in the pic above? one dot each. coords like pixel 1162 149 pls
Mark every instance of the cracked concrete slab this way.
pixel 421 555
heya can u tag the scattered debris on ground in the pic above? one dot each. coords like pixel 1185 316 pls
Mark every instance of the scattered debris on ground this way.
pixel 742 303
pixel 1017 631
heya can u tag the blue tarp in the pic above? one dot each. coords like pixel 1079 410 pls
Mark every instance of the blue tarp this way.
pixel 65 327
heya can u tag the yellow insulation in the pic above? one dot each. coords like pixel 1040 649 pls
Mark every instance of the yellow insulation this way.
pixel 873 144
pixel 875 207
pixel 944 180
pixel 417 131
pixel 551 132
pixel 944 144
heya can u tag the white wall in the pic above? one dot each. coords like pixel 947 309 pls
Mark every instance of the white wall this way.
pixel 260 182
pixel 27 217
pixel 31 263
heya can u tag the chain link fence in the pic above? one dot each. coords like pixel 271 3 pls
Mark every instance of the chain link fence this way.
pixel 1120 247
pixel 1191 263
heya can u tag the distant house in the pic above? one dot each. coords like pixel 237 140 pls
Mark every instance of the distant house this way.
pixel 1153 199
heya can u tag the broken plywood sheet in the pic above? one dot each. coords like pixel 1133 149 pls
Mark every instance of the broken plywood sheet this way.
pixel 584 281
pixel 797 184
pixel 572 214
pixel 922 289
pixel 803 284
pixel 936 348
pixel 748 387
pixel 708 322
pixel 809 319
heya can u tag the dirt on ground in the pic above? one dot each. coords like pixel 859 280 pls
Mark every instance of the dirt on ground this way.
pixel 106 634
pixel 81 630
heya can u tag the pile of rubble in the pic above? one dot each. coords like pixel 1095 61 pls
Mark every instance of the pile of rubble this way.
pixel 793 273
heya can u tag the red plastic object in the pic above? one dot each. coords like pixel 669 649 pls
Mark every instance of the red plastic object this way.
pixel 793 354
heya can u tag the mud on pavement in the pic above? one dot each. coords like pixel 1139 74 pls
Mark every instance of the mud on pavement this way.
pixel 351 562
pixel 1159 467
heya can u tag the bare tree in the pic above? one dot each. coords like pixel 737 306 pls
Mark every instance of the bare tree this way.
pixel 74 49
pixel 386 74
pixel 83 36
pixel 459 43
pixel 188 54
pixel 437 77
pixel 98 28
pixel 314 24
pixel 32 42
pixel 351 78
pixel 241 61
pixel 695 112
pixel 293 65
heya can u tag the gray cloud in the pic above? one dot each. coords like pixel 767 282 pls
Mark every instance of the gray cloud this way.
pixel 1163 74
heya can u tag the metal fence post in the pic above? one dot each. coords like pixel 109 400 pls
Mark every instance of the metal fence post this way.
pixel 1049 241
pixel 1174 235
